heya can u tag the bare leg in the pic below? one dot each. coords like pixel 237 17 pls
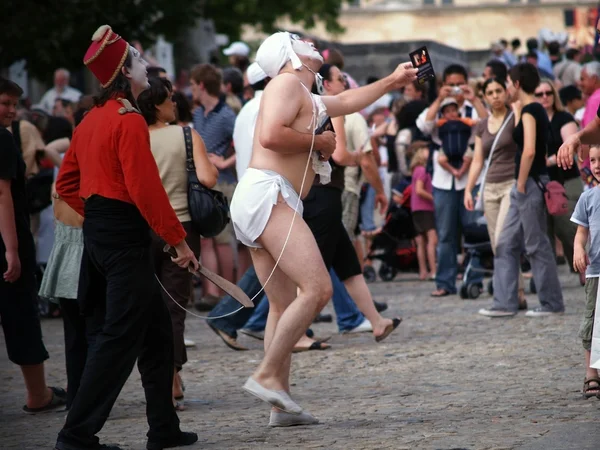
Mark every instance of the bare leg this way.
pixel 301 265
pixel 209 260
pixel 431 249
pixel 38 394
pixel 359 252
pixel 420 240
pixel 359 291
pixel 589 372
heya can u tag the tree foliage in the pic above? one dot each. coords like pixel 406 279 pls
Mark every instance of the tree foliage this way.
pixel 54 33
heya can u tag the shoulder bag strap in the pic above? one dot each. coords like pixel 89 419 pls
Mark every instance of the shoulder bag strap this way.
pixel 190 167
pixel 494 145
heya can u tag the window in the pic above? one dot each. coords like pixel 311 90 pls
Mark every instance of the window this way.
pixel 447 2
pixel 428 2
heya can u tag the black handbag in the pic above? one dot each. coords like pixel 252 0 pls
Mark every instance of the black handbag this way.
pixel 208 208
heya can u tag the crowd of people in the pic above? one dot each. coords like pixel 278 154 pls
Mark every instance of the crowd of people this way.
pixel 317 171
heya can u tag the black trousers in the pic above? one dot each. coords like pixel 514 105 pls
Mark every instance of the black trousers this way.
pixel 76 345
pixel 178 282
pixel 323 215
pixel 19 312
pixel 118 293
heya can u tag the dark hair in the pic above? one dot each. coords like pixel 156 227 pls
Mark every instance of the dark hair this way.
pixel 64 102
pixel 569 93
pixel 499 69
pixel 183 106
pixel 10 88
pixel 489 81
pixel 209 76
pixel 532 44
pixel 526 75
pixel 242 63
pixel 422 88
pixel 455 69
pixel 260 85
pixel 554 48
pixel 533 55
pixel 504 42
pixel 233 76
pixel 407 116
pixel 372 79
pixel 120 87
pixel 515 43
pixel 571 53
pixel 160 89
pixel 335 58
pixel 155 71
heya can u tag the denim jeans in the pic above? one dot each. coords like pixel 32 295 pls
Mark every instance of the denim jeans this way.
pixel 229 325
pixel 450 212
pixel 367 210
pixel 347 314
pixel 258 320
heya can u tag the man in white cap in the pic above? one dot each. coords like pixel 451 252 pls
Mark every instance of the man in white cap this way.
pixel 238 53
pixel 266 209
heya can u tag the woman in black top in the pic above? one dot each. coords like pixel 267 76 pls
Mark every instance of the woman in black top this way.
pixel 526 222
pixel 562 125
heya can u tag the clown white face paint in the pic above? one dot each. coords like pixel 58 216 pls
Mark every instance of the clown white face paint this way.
pixel 302 48
pixel 137 72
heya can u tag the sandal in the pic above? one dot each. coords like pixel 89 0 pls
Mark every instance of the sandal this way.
pixel 440 293
pixel 388 330
pixel 59 398
pixel 317 345
pixel 587 388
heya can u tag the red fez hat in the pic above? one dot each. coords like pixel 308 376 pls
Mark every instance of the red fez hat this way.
pixel 106 55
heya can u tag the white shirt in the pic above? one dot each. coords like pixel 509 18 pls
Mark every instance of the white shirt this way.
pixel 243 133
pixel 442 179
pixel 49 98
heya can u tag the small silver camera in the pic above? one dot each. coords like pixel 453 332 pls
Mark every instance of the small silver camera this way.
pixel 456 90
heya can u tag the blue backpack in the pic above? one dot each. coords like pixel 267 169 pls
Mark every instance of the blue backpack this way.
pixel 455 136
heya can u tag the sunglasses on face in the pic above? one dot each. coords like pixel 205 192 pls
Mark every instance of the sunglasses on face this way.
pixel 544 94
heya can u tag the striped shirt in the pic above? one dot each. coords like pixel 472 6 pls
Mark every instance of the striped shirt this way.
pixel 216 130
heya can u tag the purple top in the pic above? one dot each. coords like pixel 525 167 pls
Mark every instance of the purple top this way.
pixel 419 203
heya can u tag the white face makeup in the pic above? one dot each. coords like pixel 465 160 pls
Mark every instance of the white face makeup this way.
pixel 302 48
pixel 137 71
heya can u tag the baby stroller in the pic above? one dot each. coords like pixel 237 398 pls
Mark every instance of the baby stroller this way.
pixel 394 245
pixel 479 258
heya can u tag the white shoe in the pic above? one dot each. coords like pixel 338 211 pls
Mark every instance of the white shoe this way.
pixel 541 312
pixel 278 399
pixel 283 419
pixel 189 343
pixel 492 312
pixel 364 327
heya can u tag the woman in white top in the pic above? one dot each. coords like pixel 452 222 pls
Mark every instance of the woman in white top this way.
pixel 168 147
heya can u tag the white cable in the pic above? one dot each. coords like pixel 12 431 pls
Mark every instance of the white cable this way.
pixel 312 144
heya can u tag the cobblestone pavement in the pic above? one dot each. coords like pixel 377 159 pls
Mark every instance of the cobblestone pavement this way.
pixel 447 379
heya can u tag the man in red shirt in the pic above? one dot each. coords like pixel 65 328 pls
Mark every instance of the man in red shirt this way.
pixel 110 177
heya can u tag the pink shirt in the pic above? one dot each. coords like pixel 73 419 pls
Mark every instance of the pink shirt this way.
pixel 419 203
pixel 591 111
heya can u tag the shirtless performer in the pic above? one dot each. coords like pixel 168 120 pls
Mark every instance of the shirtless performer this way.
pixel 266 201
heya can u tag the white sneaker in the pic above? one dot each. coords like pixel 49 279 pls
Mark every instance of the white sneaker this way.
pixel 541 312
pixel 364 327
pixel 189 343
pixel 493 312
pixel 283 419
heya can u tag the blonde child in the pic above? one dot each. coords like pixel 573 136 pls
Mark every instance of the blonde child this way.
pixel 587 218
pixel 421 204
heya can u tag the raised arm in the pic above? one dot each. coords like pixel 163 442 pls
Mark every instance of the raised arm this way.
pixel 354 100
